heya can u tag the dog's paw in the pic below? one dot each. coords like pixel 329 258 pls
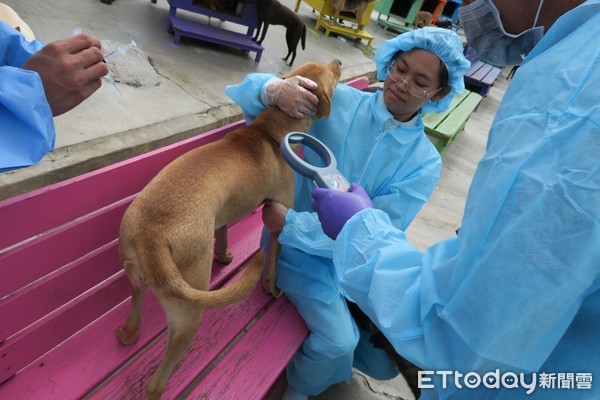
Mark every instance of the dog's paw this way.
pixel 226 258
pixel 271 288
pixel 126 337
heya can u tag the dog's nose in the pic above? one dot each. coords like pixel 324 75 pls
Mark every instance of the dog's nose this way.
pixel 338 61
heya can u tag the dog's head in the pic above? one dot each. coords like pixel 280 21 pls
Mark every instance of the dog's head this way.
pixel 326 76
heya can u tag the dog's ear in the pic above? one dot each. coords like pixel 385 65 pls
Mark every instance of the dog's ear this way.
pixel 324 107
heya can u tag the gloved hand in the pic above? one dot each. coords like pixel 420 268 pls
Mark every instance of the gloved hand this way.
pixel 335 208
pixel 291 96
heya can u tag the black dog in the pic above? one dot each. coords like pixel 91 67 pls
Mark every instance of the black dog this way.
pixel 409 371
pixel 272 12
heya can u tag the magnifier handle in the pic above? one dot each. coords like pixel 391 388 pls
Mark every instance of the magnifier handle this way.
pixel 326 177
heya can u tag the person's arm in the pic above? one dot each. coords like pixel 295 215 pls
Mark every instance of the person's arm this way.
pixel 401 199
pixel 27 132
pixel 259 91
pixel 14 48
pixel 36 83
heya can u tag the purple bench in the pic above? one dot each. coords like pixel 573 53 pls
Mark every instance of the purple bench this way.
pixel 481 76
pixel 63 294
pixel 208 33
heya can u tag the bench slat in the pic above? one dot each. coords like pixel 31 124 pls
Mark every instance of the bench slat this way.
pixel 26 346
pixel 446 126
pixel 27 215
pixel 481 72
pixel 491 76
pixel 475 66
pixel 456 120
pixel 432 120
pixel 58 248
pixel 257 360
pixel 40 299
pixel 218 328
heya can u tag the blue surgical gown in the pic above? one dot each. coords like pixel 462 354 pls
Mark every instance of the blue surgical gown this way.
pixel 518 289
pixel 26 124
pixel 399 168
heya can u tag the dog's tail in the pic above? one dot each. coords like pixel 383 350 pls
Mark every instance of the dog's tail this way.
pixel 173 286
pixel 303 37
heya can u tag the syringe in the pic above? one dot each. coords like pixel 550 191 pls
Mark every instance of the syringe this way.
pixel 119 51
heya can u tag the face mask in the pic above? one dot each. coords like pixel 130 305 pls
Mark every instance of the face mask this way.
pixel 484 31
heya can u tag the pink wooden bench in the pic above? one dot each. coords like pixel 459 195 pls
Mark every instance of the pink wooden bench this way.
pixel 63 294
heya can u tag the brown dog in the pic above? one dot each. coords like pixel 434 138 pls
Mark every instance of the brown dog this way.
pixel 358 7
pixel 422 19
pixel 167 233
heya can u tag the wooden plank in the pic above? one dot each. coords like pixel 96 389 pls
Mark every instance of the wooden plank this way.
pixel 58 248
pixel 213 34
pixel 481 72
pixel 432 120
pixel 254 364
pixel 39 299
pixel 26 346
pixel 360 83
pixel 217 330
pixel 475 66
pixel 491 76
pixel 27 215
pixel 456 121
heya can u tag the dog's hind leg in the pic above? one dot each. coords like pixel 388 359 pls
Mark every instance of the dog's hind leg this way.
pixel 183 321
pixel 130 333
pixel 360 13
pixel 291 40
pixel 222 253
pixel 270 274
pixel 337 8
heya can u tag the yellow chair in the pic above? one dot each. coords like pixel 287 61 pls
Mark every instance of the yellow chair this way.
pixel 325 10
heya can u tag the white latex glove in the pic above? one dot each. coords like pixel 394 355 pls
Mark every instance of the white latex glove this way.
pixel 291 96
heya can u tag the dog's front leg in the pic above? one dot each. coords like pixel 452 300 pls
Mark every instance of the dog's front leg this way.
pixel 264 32
pixel 360 13
pixel 270 274
pixel 222 253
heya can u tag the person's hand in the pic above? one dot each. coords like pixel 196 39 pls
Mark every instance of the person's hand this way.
pixel 70 70
pixel 292 97
pixel 273 216
pixel 334 208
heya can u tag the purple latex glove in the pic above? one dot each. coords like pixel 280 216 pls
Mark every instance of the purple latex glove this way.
pixel 335 208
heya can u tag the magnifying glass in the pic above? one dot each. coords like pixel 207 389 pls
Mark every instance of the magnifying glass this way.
pixel 325 177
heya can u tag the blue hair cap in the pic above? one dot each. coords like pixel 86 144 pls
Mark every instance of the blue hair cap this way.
pixel 444 43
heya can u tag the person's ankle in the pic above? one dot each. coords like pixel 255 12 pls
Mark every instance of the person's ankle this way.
pixel 292 394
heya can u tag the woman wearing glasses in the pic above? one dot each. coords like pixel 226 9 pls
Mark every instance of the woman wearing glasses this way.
pixel 379 142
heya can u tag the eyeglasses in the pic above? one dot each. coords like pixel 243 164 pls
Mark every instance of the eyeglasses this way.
pixel 413 89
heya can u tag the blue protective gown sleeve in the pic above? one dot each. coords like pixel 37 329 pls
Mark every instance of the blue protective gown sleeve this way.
pixel 27 131
pixel 395 163
pixel 518 288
